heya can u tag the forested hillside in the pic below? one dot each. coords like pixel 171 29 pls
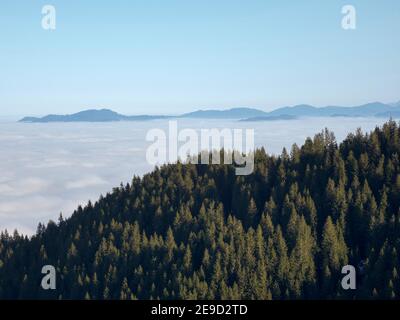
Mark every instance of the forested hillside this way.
pixel 201 232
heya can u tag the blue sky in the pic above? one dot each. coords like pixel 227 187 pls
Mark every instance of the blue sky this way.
pixel 173 56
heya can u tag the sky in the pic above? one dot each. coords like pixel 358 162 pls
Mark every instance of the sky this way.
pixel 175 56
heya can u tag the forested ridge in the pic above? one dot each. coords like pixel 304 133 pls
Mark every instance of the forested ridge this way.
pixel 189 231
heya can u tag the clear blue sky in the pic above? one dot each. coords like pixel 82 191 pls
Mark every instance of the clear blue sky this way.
pixel 172 56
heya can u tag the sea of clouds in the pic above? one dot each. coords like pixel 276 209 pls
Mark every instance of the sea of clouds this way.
pixel 50 168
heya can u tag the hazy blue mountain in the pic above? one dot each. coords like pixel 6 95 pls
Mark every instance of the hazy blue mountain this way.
pixel 299 110
pixel 235 113
pixel 366 110
pixel 247 114
pixel 270 118
pixel 103 115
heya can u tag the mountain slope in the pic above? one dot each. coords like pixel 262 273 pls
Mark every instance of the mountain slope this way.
pixel 200 232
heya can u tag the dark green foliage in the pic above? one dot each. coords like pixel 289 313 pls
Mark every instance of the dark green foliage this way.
pixel 200 232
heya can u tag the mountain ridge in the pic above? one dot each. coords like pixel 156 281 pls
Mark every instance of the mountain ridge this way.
pixel 91 115
pixel 373 109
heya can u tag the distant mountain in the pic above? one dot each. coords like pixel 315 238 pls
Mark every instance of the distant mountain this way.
pixel 235 113
pixel 298 110
pixel 103 115
pixel 302 110
pixel 270 118
pixel 375 109
pixel 366 110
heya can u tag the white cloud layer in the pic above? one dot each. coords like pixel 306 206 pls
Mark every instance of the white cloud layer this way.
pixel 50 168
pixel 90 181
